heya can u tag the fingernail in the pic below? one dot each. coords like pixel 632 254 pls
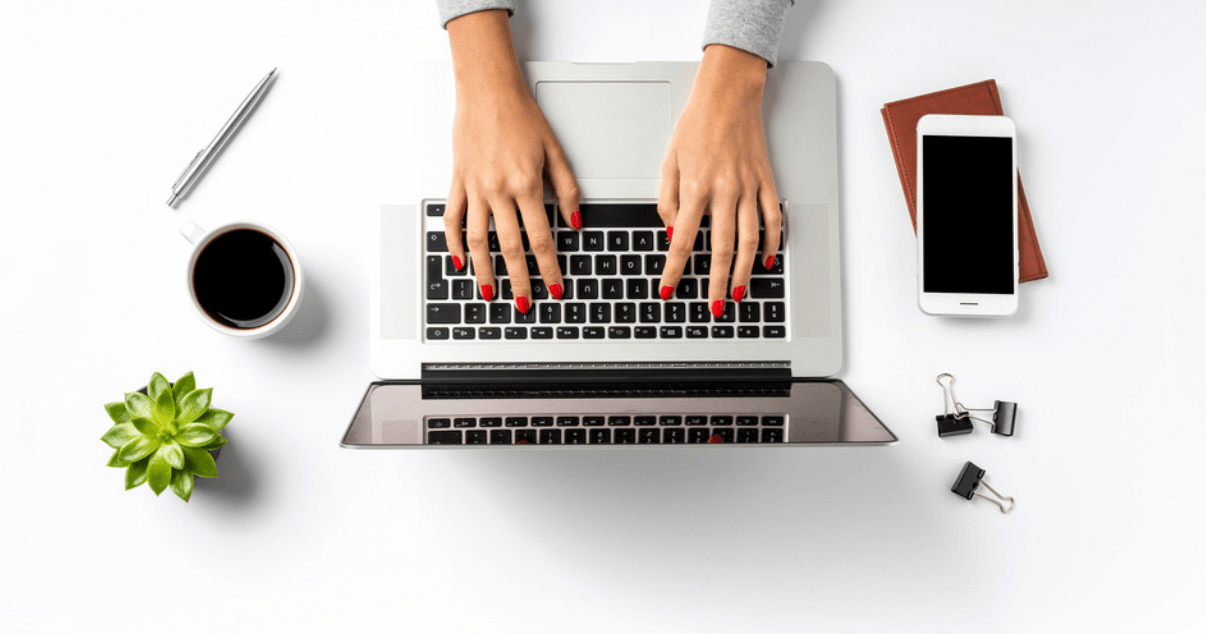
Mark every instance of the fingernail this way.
pixel 739 293
pixel 669 233
pixel 715 439
pixel 576 219
pixel 667 292
pixel 456 263
pixel 522 304
pixel 487 292
pixel 555 291
pixel 718 308
pixel 770 261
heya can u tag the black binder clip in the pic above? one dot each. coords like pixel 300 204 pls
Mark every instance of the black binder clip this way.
pixel 970 479
pixel 956 418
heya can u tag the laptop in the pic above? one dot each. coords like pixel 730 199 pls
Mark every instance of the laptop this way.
pixel 611 365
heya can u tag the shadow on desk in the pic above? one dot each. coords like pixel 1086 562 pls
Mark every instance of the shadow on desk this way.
pixel 237 487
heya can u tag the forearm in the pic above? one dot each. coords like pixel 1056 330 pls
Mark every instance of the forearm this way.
pixel 753 26
pixel 483 56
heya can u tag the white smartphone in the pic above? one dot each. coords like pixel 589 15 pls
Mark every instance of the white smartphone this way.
pixel 967 215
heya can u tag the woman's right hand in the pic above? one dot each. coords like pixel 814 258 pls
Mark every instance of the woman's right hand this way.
pixel 502 146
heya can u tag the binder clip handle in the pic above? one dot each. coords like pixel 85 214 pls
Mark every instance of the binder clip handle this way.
pixel 970 479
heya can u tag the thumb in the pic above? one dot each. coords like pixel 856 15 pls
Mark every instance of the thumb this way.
pixel 565 187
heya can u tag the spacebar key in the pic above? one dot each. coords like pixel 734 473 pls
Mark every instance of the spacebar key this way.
pixel 443 313
pixel 625 215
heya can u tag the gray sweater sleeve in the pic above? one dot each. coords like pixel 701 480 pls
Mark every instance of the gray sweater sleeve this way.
pixel 753 26
pixel 450 9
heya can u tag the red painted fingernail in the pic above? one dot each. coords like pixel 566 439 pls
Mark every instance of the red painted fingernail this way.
pixel 522 304
pixel 555 291
pixel 739 293
pixel 770 261
pixel 715 439
pixel 717 308
pixel 456 263
pixel 667 292
pixel 487 292
pixel 669 233
pixel 576 219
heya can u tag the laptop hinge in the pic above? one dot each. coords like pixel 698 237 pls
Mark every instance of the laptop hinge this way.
pixel 599 372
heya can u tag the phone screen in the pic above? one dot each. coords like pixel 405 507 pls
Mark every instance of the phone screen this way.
pixel 968 225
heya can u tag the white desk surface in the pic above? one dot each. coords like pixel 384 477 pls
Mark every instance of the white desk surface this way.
pixel 103 103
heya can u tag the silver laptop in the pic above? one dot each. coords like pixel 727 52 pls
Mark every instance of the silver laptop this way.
pixel 611 365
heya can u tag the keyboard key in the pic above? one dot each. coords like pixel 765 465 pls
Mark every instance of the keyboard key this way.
pixel 655 264
pixel 642 241
pixel 600 436
pixel 613 289
pixel 676 312
pixel 436 242
pixel 443 313
pixel 500 436
pixel 722 332
pixel 533 265
pixel 772 421
pixel 505 287
pixel 703 264
pixel 476 437
pixel 649 436
pixel 630 265
pixel 663 241
pixel 500 313
pixel 773 312
pixel 539 291
pixel 593 421
pixel 626 313
pixel 450 270
pixel 617 240
pixel 550 436
pixel 462 334
pixel 462 289
pixel 671 332
pixel 749 312
pixel 452 437
pixel 475 313
pixel 619 421
pixel 541 332
pixel 515 332
pixel 722 420
pixel 593 332
pixel 747 421
pixel 643 215
pixel 775 269
pixel 699 239
pixel 772 435
pixel 651 312
pixel 697 435
pixel 674 436
pixel 725 435
pixel 516 421
pixel 747 332
pixel 625 436
pixel 767 287
pixel 747 435
pixel 575 436
pixel 525 436
pixel 542 421
pixel 567 241
pixel 490 422
pixel 644 421
pixel 638 289
pixel 619 332
pixel 600 313
pixel 774 332
pixel 581 265
pixel 729 315
pixel 588 289
pixel 439 423
pixel 464 422
pixel 525 318
pixel 437 334
pixel 671 420
pixel 492 242
pixel 550 313
pixel 605 265
pixel 435 210
pixel 567 332
pixel 593 241
pixel 568 421
pixel 489 333
pixel 697 332
pixel 699 312
pixel 437 286
pixel 500 266
pixel 688 288
pixel 694 421
pixel 575 313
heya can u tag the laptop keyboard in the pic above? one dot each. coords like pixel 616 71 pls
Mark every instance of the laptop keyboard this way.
pixel 611 269
pixel 665 429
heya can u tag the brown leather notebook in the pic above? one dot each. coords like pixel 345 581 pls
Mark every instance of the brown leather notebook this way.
pixel 900 119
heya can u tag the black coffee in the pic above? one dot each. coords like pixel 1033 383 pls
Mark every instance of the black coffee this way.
pixel 243 278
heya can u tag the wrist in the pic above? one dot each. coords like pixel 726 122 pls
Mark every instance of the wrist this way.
pixel 728 72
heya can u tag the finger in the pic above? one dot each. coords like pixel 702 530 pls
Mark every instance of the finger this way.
pixel 772 222
pixel 724 230
pixel 510 242
pixel 667 198
pixel 540 241
pixel 682 245
pixel 478 235
pixel 454 222
pixel 747 244
pixel 565 186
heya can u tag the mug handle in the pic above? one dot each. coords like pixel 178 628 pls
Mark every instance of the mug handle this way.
pixel 191 231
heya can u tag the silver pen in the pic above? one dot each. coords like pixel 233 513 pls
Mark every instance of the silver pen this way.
pixel 196 168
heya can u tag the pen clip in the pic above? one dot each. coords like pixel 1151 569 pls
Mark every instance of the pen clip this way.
pixel 187 168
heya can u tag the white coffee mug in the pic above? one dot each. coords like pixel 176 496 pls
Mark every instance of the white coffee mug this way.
pixel 201 239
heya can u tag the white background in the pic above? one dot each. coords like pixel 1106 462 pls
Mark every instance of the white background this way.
pixel 104 102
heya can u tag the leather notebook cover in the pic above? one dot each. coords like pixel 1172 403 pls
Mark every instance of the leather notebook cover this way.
pixel 900 119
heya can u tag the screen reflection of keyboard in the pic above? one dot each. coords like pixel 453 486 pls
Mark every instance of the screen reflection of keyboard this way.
pixel 666 429
pixel 611 271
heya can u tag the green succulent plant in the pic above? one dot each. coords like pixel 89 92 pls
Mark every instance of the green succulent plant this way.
pixel 165 437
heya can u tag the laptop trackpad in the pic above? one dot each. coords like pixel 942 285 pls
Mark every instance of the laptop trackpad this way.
pixel 609 129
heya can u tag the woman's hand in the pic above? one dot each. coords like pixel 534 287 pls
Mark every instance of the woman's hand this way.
pixel 501 146
pixel 717 164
